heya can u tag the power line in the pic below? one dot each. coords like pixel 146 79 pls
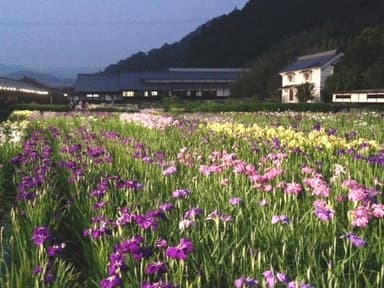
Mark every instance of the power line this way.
pixel 109 23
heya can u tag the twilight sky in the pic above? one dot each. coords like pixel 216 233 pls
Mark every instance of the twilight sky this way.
pixel 94 33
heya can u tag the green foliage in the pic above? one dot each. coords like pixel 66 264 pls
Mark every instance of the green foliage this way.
pixel 224 251
pixel 363 64
pixel 41 107
pixel 179 106
pixel 113 108
pixel 305 92
pixel 4 113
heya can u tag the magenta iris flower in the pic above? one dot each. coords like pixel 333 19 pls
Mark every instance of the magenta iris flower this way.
pixel 270 278
pixel 280 218
pixel 181 193
pixel 263 202
pixel 378 210
pixel 180 251
pixel 293 188
pixel 169 171
pixel 235 201
pixel 361 216
pixel 283 278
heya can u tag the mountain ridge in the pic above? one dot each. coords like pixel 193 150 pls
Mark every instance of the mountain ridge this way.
pixel 238 38
pixel 43 78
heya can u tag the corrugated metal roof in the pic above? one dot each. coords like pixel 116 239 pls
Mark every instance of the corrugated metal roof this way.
pixel 147 80
pixel 313 61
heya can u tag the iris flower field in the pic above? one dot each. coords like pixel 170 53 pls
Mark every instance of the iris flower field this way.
pixel 197 200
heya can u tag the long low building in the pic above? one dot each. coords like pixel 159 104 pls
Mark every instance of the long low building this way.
pixel 13 91
pixel 359 96
pixel 183 82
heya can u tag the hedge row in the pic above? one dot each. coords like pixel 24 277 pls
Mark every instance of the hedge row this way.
pixel 252 106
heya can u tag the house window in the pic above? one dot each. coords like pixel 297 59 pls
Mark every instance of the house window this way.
pixel 146 93
pixel 342 96
pixel 128 93
pixel 291 77
pixel 307 76
pixel 108 98
pixel 92 95
pixel 290 95
pixel 154 93
pixel 375 96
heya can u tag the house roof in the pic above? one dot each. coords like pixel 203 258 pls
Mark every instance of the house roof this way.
pixel 16 85
pixel 97 83
pixel 147 80
pixel 321 59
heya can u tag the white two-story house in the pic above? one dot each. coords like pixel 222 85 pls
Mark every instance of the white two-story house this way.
pixel 313 68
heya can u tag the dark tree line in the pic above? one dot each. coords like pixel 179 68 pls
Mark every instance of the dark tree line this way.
pixel 363 64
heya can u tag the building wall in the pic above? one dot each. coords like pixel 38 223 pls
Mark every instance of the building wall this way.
pixel 294 78
pixel 359 97
pixel 317 78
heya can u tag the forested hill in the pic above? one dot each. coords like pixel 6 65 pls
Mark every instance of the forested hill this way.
pixel 237 39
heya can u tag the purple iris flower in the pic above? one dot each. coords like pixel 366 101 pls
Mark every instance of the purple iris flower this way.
pixel 181 251
pixel 156 268
pixel 323 211
pixel 161 243
pixel 40 235
pixel 355 240
pixel 129 184
pixel 146 222
pixel 99 205
pixel 49 277
pixel 193 212
pixel 246 282
pixel 55 249
pixel 132 245
pixel 116 263
pixel 160 284
pixel 125 217
pixel 37 270
pixel 167 207
pixel 143 253
pixel 111 282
